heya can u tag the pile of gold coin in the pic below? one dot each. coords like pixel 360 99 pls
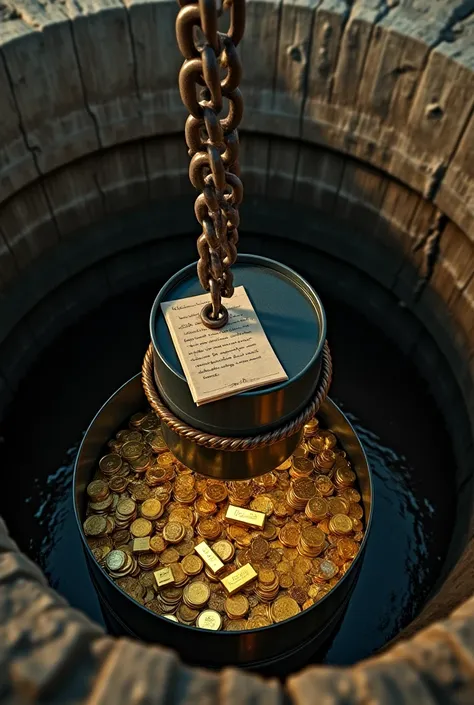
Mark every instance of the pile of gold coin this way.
pixel 223 555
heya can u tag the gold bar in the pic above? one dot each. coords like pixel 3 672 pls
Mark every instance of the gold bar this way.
pixel 164 577
pixel 245 517
pixel 210 558
pixel 235 581
pixel 141 545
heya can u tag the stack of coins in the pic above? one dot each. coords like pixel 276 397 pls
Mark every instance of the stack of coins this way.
pixel 317 509
pixel 125 513
pixel 300 492
pixel 223 555
pixel 268 585
pixel 311 541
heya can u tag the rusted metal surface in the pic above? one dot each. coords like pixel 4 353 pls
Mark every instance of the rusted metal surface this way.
pixel 213 141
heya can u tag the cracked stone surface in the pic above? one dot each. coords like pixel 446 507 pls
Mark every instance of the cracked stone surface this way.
pixel 360 111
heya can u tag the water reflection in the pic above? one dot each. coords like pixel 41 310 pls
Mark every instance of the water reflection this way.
pixel 394 578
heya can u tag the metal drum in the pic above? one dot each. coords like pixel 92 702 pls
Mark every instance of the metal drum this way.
pixel 294 321
pixel 277 648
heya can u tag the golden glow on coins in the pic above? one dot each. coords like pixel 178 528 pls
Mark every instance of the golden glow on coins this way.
pixel 223 555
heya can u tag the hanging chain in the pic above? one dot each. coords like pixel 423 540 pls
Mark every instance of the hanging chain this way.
pixel 213 141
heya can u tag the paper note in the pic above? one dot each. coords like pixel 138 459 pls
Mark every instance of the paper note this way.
pixel 226 361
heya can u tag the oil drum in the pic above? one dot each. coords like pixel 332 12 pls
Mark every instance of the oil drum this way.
pixel 277 648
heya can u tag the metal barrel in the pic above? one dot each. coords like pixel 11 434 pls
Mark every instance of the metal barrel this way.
pixel 294 322
pixel 292 641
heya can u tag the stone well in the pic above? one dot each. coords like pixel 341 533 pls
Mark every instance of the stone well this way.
pixel 358 139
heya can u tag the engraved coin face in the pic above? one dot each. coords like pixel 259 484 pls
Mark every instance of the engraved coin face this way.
pixel 95 525
pixel 284 608
pixel 196 594
pixel 116 560
pixel 141 527
pixel 110 464
pixel 209 619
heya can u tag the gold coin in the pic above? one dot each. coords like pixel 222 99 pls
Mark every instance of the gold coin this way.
pixel 356 511
pixel 169 555
pixel 351 495
pixel 240 535
pixel 215 492
pixel 236 606
pixel 259 548
pixel 266 576
pixel 182 515
pixel 192 564
pixel 115 560
pixel 224 550
pixel 262 503
pixel 285 465
pixel 284 608
pixel 118 484
pixel 186 614
pixel 235 625
pixel 298 594
pixel 131 450
pixel 209 619
pixel 196 594
pixel 95 525
pixel 97 490
pixel 173 532
pixel 345 476
pixel 126 507
pixel 151 508
pixel 185 547
pixel 166 460
pixel 311 427
pixel 303 465
pixel 285 579
pixel 157 544
pixel 171 617
pixel 340 524
pixel 209 528
pixel 326 570
pixel 303 564
pixel 313 536
pixel 338 505
pixel 204 506
pixel 348 548
pixel 110 464
pixel 258 622
pixel 324 485
pixel 141 527
pixel 303 488
pixel 290 534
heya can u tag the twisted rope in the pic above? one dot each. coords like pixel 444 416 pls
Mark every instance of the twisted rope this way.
pixel 226 442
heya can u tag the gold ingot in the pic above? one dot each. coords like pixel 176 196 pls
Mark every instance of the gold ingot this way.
pixel 164 577
pixel 239 579
pixel 141 545
pixel 212 561
pixel 245 517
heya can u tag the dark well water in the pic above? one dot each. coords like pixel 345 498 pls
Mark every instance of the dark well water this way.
pixel 374 384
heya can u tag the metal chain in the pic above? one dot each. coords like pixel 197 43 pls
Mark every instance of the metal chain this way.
pixel 213 141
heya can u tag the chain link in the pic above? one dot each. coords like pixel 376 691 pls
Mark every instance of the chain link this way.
pixel 213 142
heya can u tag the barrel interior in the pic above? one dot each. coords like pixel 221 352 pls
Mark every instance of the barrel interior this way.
pixel 267 649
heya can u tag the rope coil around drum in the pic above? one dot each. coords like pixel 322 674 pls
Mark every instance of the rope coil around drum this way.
pixel 229 443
